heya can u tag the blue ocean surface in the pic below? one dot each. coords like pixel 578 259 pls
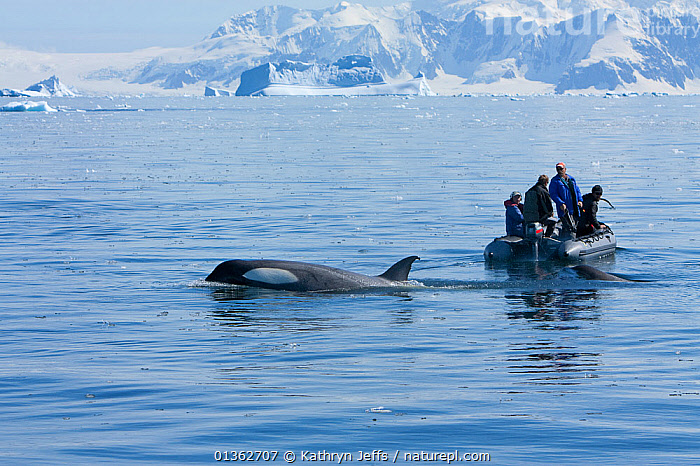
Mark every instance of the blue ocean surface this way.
pixel 114 350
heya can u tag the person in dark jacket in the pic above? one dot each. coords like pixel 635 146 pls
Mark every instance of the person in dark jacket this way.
pixel 565 193
pixel 538 204
pixel 589 216
pixel 515 225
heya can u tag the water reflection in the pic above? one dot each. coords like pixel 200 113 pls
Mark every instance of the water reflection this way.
pixel 533 272
pixel 551 358
pixel 246 293
pixel 278 344
pixel 556 360
pixel 242 293
pixel 554 309
pixel 244 309
pixel 547 297
pixel 548 362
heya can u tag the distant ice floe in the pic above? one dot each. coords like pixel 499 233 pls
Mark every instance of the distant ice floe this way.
pixel 27 106
pixel 379 409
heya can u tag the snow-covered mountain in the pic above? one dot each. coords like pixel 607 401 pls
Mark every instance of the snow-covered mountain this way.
pixel 517 46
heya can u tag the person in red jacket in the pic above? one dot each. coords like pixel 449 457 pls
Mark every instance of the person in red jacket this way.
pixel 515 222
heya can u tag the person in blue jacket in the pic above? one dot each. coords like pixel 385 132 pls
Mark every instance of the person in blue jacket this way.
pixel 515 222
pixel 565 193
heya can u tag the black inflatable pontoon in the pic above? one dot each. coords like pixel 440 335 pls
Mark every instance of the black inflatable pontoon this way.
pixel 562 245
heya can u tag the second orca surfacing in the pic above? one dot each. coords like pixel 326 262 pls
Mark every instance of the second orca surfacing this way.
pixel 302 276
pixel 591 273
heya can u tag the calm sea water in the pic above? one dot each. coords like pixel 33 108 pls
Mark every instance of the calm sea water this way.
pixel 114 350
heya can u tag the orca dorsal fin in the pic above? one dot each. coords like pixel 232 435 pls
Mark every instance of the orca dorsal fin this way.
pixel 399 271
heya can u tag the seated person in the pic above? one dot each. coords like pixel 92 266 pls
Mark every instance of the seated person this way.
pixel 515 222
pixel 589 215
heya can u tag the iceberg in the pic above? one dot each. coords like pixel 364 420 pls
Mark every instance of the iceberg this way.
pixel 27 106
pixel 350 75
pixel 211 92
pixel 417 86
pixel 12 93
pixel 51 87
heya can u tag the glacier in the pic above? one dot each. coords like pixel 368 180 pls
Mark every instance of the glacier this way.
pixel 461 46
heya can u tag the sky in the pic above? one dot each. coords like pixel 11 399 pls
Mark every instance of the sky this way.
pixel 126 25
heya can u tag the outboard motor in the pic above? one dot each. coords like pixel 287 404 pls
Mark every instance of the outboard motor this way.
pixel 534 230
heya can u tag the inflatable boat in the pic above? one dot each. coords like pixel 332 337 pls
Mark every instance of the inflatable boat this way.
pixel 562 244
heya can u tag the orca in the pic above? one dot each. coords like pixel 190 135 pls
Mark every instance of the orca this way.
pixel 591 273
pixel 302 276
